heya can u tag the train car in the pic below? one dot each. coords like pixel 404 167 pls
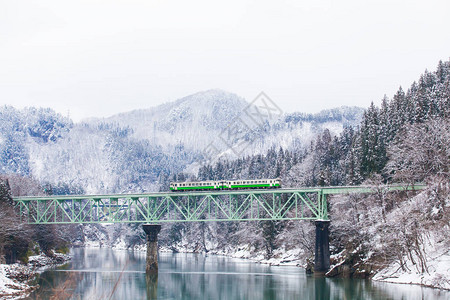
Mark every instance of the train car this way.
pixel 253 184
pixel 212 185
pixel 196 186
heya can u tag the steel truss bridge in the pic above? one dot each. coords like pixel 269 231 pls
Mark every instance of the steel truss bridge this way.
pixel 225 205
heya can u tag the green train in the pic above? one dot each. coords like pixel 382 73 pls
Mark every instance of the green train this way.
pixel 225 185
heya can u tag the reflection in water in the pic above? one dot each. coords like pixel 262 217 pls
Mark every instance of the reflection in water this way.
pixel 152 286
pixel 107 274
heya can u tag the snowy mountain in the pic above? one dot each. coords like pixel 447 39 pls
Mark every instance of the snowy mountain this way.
pixel 192 121
pixel 203 118
pixel 135 151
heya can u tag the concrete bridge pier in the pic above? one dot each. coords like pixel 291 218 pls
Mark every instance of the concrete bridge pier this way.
pixel 152 231
pixel 322 250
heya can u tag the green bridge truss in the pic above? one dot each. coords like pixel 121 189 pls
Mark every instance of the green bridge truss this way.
pixel 241 205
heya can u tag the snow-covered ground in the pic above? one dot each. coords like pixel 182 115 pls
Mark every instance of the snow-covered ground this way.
pixel 15 278
pixel 437 273
pixel 12 288
pixel 281 257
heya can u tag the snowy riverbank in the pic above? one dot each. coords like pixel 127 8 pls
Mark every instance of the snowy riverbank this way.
pixel 437 273
pixel 280 256
pixel 16 279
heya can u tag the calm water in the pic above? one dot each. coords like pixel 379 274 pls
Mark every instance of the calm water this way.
pixel 108 274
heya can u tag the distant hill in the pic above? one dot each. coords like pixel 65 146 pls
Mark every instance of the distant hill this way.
pixel 134 151
pixel 197 120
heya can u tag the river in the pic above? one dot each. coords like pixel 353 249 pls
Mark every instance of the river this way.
pixel 112 274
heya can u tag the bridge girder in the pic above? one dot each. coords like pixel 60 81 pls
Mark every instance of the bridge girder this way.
pixel 241 205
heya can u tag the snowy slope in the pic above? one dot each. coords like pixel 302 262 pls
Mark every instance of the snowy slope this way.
pixel 203 118
pixel 192 121
pixel 134 151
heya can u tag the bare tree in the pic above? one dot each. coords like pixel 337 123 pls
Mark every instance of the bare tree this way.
pixel 421 151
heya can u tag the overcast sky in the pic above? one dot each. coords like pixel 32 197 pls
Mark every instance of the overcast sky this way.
pixel 97 58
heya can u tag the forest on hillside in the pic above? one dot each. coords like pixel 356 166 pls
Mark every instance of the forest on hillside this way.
pixel 383 144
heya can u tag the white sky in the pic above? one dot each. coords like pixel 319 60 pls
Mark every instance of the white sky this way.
pixel 99 57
